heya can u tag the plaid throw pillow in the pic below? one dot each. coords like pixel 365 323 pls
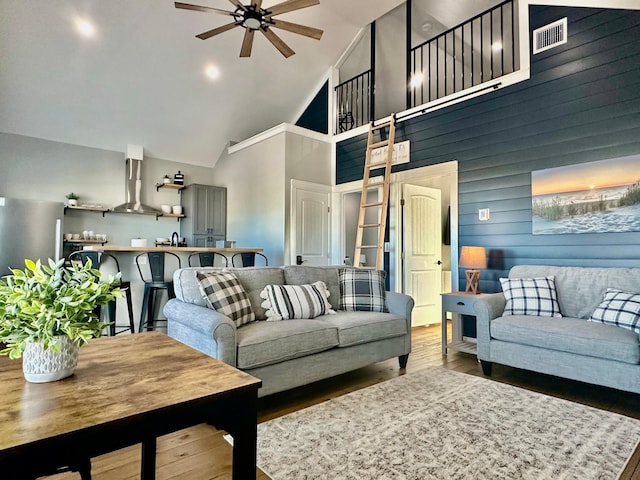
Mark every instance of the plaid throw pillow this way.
pixel 224 293
pixel 284 302
pixel 362 290
pixel 619 308
pixel 530 296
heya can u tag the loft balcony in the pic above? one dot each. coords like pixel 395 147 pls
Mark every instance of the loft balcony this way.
pixel 463 59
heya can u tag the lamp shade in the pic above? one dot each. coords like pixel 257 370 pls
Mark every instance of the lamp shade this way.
pixel 473 257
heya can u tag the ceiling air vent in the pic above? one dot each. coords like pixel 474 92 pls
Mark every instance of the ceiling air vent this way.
pixel 550 36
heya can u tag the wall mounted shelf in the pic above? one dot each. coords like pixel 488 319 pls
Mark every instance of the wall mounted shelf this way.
pixel 173 186
pixel 170 215
pixel 86 208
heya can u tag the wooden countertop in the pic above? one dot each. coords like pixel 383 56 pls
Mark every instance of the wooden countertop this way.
pixel 127 248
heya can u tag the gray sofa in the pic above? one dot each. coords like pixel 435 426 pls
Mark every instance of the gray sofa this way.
pixel 289 353
pixel 569 347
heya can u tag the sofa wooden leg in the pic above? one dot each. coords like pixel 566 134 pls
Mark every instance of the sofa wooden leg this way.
pixel 402 360
pixel 486 367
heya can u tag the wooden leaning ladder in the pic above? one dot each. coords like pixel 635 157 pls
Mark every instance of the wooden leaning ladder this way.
pixel 367 185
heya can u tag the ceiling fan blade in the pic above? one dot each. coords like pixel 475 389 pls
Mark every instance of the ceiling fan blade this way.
pixel 216 31
pixel 198 8
pixel 247 43
pixel 239 5
pixel 299 29
pixel 277 42
pixel 290 6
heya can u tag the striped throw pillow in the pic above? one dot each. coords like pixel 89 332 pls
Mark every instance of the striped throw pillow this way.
pixel 224 293
pixel 531 296
pixel 619 308
pixel 285 302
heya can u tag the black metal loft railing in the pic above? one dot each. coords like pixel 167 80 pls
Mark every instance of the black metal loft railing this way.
pixel 476 51
pixel 354 102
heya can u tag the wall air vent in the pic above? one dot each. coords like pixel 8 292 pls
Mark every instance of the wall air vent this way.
pixel 550 36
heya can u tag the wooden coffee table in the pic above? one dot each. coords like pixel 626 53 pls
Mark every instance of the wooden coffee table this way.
pixel 126 390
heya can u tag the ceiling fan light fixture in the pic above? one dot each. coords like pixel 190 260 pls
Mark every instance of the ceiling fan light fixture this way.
pixel 252 19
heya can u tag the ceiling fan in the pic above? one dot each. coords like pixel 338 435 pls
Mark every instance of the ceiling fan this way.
pixel 253 17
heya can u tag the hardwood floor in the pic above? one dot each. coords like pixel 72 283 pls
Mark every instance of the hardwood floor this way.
pixel 201 453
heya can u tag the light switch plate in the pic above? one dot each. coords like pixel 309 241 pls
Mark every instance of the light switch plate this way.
pixel 483 214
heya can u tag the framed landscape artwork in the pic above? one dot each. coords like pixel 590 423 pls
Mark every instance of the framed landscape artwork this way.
pixel 593 197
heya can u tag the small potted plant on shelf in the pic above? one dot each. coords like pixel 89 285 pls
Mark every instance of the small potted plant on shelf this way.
pixel 72 199
pixel 47 312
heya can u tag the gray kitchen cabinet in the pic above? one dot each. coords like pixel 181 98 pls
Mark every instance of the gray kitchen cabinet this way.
pixel 206 220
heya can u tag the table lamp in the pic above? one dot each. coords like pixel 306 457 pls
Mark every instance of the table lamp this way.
pixel 473 258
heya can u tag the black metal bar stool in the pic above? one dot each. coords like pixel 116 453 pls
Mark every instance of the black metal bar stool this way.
pixel 154 282
pixel 247 259
pixel 98 260
pixel 207 259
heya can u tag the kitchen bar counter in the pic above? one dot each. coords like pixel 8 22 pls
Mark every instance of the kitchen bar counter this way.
pixel 167 248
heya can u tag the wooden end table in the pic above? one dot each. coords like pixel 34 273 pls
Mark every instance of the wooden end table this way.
pixel 126 390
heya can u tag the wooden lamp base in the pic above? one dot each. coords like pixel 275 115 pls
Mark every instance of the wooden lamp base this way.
pixel 473 279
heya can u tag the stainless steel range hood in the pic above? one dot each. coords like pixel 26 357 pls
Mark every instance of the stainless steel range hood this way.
pixel 133 185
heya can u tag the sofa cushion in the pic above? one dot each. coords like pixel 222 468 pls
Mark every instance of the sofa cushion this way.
pixel 267 343
pixel 581 289
pixel 224 293
pixel 619 308
pixel 355 328
pixel 569 335
pixel 300 275
pixel 362 290
pixel 252 279
pixel 530 296
pixel 284 302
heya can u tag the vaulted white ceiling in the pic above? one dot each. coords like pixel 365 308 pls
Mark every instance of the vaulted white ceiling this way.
pixel 141 78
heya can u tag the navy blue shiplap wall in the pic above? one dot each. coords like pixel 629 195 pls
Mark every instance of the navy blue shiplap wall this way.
pixel 316 115
pixel 581 104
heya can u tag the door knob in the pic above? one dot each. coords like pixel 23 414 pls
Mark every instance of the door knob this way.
pixel 299 260
pixel 439 262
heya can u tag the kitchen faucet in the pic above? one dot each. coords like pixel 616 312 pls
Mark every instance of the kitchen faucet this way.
pixel 175 239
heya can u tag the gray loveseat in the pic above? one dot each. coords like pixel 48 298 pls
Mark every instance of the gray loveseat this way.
pixel 569 347
pixel 289 353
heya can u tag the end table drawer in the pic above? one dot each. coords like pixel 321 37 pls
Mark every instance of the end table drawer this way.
pixel 458 304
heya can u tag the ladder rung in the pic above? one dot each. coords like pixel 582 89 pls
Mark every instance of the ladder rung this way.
pixel 372 184
pixel 383 143
pixel 377 204
pixel 380 125
pixel 369 246
pixel 369 225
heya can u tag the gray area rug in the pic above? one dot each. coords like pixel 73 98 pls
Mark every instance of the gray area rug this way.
pixel 439 424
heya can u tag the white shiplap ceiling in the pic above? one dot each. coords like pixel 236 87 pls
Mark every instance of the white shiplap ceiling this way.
pixel 142 80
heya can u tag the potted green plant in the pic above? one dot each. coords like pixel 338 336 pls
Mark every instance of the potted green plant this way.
pixel 51 311
pixel 72 199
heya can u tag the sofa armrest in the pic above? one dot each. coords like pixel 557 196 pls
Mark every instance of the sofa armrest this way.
pixel 203 329
pixel 487 308
pixel 400 304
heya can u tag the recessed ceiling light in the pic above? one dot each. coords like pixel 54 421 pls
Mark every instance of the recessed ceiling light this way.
pixel 416 80
pixel 212 72
pixel 85 28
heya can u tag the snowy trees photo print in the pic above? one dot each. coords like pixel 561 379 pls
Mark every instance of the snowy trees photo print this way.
pixel 592 197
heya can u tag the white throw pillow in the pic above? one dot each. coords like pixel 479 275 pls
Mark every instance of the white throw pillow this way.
pixel 619 308
pixel 531 296
pixel 285 302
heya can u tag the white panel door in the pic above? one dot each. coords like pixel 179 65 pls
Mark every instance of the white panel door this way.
pixel 423 251
pixel 311 224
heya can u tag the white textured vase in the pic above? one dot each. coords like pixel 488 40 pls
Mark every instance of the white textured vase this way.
pixel 40 365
